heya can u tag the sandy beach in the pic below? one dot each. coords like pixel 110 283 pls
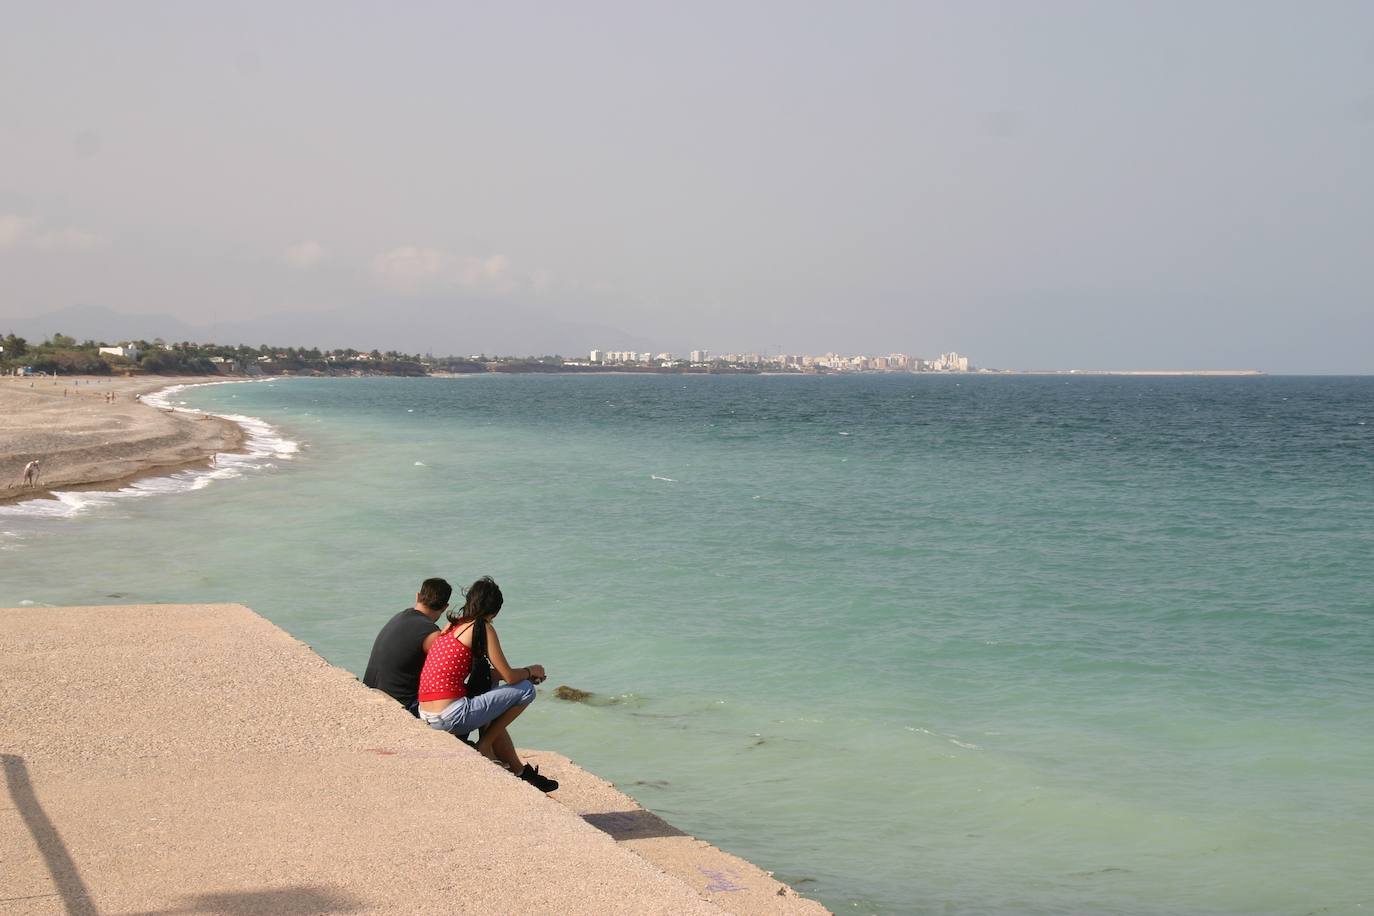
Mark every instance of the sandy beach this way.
pixel 81 439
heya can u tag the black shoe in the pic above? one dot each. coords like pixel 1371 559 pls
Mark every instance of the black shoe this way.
pixel 542 783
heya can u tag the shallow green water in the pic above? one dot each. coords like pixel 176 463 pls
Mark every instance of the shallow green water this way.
pixel 916 644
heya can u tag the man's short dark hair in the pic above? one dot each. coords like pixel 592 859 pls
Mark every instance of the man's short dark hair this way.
pixel 434 593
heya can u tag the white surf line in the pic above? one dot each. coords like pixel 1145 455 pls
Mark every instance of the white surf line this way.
pixel 263 445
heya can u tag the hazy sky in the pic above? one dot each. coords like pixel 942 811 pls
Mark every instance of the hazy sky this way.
pixel 1151 184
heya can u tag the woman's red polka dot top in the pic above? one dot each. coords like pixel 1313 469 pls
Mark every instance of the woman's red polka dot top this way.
pixel 446 668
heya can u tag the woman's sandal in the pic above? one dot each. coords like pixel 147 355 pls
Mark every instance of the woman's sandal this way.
pixel 542 783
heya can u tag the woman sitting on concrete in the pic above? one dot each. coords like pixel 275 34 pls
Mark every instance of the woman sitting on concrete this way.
pixel 445 700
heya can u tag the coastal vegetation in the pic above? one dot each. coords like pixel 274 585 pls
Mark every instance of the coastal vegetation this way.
pixel 61 354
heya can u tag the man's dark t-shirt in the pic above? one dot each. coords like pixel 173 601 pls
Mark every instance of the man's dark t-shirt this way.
pixel 398 654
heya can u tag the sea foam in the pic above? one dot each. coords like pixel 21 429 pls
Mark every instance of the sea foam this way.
pixel 263 445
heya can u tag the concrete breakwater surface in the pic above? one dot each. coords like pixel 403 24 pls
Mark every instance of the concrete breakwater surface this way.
pixel 227 768
pixel 993 644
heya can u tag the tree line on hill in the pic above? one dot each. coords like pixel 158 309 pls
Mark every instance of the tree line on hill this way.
pixel 61 354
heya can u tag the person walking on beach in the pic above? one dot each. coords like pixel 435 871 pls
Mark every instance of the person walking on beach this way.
pixel 31 473
pixel 398 653
pixel 452 699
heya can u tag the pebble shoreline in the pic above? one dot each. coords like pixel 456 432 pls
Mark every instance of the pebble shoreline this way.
pixel 84 441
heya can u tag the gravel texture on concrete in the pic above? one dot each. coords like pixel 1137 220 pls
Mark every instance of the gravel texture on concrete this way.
pixel 166 759
pixel 729 881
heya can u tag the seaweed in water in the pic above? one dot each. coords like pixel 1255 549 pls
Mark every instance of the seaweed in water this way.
pixel 571 694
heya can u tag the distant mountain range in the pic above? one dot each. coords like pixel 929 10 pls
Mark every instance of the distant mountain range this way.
pixel 438 326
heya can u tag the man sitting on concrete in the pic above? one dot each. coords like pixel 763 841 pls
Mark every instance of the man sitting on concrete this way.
pixel 398 653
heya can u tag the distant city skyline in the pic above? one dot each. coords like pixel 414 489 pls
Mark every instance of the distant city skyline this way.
pixel 896 361
pixel 1045 185
pixel 112 327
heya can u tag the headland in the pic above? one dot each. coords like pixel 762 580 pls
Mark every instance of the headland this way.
pixel 94 431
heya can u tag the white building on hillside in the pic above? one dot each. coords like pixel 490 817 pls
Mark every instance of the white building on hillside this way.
pixel 129 353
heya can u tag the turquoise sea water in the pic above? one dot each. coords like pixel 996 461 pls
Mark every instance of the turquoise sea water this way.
pixel 918 644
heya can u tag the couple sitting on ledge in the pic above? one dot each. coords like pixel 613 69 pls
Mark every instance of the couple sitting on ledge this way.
pixel 444 676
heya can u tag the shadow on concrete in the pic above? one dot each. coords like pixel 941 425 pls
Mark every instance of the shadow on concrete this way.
pixel 75 898
pixel 282 901
pixel 631 825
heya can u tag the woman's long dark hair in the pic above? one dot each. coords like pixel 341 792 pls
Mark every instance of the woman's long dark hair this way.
pixel 482 599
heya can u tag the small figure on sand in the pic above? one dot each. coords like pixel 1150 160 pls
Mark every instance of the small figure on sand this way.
pixel 31 473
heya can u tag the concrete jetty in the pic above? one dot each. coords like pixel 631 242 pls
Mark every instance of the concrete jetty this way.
pixel 174 759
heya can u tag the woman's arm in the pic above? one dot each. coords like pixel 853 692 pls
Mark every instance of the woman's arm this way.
pixel 498 661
